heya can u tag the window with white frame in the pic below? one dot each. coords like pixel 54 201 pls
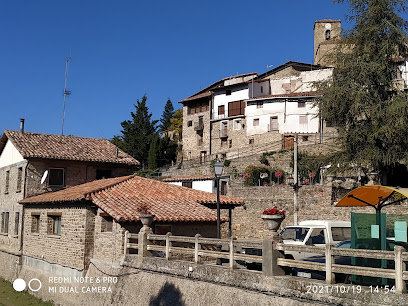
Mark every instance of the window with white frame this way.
pixel 256 122
pixel 303 119
pixel 274 123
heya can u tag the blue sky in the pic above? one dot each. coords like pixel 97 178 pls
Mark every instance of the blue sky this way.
pixel 124 49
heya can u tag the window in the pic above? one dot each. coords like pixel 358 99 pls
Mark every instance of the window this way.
pixel 187 184
pixel 189 123
pixel 106 222
pixel 274 124
pixel 230 143
pixel 301 104
pixel 327 35
pixel 103 174
pixel 221 110
pixel 236 108
pixel 6 189
pixel 228 92
pixel 224 129
pixel 261 89
pixel 259 104
pixel 237 124
pixel 302 119
pixel 224 142
pixel 54 224
pixel 256 122
pixel 16 222
pixel 56 177
pixel 341 233
pixel 203 156
pixel 251 141
pixel 4 222
pixel 19 179
pixel 305 138
pixel 35 223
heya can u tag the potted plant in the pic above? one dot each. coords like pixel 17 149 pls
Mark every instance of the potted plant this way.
pixel 273 218
pixel 145 216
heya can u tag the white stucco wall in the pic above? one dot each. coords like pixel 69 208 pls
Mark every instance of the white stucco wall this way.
pixel 176 183
pixel 301 83
pixel 220 98
pixel 10 155
pixel 203 185
pixel 288 122
pixel 404 71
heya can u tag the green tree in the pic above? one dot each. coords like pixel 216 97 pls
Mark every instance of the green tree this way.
pixel 360 97
pixel 137 133
pixel 152 161
pixel 168 113
pixel 177 124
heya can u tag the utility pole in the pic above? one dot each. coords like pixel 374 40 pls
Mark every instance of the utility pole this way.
pixel 295 177
pixel 66 93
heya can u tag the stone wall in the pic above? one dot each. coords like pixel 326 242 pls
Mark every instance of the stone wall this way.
pixel 191 149
pixel 315 202
pixel 9 203
pixel 72 247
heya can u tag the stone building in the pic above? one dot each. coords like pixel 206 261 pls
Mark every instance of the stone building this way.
pixel 234 116
pixel 326 36
pixel 33 163
pixel 63 230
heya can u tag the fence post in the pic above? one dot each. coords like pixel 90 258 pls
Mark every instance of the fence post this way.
pixel 196 248
pixel 125 249
pixel 232 263
pixel 330 279
pixel 399 270
pixel 168 245
pixel 143 241
pixel 270 255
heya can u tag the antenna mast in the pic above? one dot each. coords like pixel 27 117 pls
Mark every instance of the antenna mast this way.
pixel 66 93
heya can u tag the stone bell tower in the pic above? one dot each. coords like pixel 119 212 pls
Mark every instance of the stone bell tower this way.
pixel 326 35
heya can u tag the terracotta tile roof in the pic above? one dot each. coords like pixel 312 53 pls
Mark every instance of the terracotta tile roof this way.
pixel 35 145
pixel 123 198
pixel 293 94
pixel 197 96
pixel 184 178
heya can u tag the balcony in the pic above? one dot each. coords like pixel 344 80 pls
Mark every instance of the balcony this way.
pixel 198 126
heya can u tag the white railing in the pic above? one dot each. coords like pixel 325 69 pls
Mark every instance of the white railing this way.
pixel 211 248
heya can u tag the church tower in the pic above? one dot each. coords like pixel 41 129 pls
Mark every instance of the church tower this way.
pixel 326 35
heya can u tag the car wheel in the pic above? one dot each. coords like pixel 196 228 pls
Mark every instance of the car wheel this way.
pixel 347 279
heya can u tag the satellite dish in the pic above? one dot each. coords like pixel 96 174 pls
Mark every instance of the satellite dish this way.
pixel 44 176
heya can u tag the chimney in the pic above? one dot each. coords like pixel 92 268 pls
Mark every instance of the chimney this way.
pixel 22 125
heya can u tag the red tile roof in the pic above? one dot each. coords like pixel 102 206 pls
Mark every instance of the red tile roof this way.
pixel 124 197
pixel 35 145
pixel 293 94
pixel 184 178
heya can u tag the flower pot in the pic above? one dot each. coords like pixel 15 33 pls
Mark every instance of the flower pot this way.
pixel 146 219
pixel 273 222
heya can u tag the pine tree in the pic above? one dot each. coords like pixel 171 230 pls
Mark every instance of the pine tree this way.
pixel 152 161
pixel 137 133
pixel 168 113
pixel 371 115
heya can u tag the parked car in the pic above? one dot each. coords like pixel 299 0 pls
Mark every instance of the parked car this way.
pixel 315 233
pixel 311 232
pixel 362 243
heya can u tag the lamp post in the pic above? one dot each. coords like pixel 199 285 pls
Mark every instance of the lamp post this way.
pixel 218 167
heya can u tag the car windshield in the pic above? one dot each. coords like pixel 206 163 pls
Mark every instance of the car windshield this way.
pixel 294 233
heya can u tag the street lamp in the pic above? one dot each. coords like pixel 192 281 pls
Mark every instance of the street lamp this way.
pixel 218 167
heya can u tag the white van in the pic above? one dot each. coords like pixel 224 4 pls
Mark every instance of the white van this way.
pixel 315 233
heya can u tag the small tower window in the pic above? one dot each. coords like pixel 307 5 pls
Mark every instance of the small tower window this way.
pixel 327 35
